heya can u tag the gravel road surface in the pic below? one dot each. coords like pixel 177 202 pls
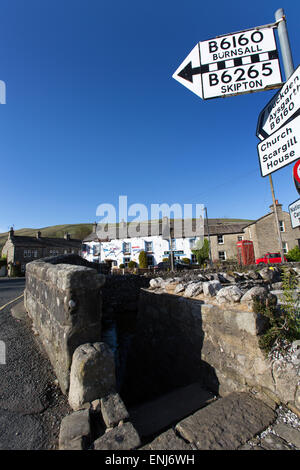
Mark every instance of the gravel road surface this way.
pixel 31 403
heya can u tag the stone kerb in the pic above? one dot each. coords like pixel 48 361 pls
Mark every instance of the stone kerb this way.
pixel 64 303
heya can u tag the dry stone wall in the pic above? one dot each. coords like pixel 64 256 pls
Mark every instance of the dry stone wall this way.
pixel 64 304
pixel 207 331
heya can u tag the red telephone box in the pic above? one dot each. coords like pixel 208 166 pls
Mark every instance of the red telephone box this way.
pixel 245 252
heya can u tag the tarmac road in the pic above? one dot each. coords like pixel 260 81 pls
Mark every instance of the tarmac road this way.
pixel 31 404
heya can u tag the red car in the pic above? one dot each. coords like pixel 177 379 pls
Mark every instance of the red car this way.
pixel 270 258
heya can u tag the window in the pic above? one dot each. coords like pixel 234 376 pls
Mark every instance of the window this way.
pixel 192 243
pixel 150 260
pixel 240 238
pixel 173 242
pixel 126 260
pixel 222 255
pixel 35 253
pixel 96 250
pixel 148 246
pixel 126 247
pixel 28 253
pixel 285 247
pixel 220 240
pixel 281 226
pixel 193 259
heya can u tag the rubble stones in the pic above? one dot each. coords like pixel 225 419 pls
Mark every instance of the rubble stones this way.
pixel 211 288
pixel 123 437
pixel 229 294
pixel 193 289
pixel 113 410
pixel 75 431
pixel 260 292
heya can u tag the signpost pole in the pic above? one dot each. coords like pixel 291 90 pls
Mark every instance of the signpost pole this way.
pixel 208 236
pixel 285 47
pixel 288 70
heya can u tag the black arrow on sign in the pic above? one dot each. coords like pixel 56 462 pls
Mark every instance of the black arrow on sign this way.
pixel 187 72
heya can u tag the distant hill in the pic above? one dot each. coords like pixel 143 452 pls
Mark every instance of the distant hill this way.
pixel 80 231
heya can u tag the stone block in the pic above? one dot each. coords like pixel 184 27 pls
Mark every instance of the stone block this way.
pixel 289 434
pixel 211 288
pixel 75 431
pixel 113 410
pixel 227 423
pixel 92 374
pixel 167 441
pixel 122 437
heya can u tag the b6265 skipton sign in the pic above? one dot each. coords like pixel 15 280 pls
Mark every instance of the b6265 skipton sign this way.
pixel 237 63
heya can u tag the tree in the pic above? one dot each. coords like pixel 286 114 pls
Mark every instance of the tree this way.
pixel 201 251
pixel 143 261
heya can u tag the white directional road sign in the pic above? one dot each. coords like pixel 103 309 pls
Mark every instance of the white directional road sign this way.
pixel 281 148
pixel 294 210
pixel 234 64
pixel 281 107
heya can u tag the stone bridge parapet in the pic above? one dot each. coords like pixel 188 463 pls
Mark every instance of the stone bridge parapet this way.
pixel 65 305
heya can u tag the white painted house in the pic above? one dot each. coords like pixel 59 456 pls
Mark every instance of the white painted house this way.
pixel 123 250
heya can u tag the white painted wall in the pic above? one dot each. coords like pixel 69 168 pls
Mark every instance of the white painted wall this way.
pixel 113 250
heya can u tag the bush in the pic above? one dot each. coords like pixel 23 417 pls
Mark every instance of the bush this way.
pixel 122 266
pixel 143 261
pixel 3 261
pixel 201 251
pixel 165 260
pixel 294 254
pixel 186 260
pixel 284 322
pixel 132 264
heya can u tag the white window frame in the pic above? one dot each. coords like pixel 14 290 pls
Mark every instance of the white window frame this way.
pixel 127 245
pixel 148 243
pixel 221 259
pixel 240 238
pixel 222 242
pixel 281 226
pixel 285 247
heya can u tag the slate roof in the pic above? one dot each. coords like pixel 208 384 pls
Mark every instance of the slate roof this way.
pixel 216 227
pixel 19 240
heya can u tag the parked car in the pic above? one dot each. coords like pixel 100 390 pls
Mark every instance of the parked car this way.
pixel 269 258
pixel 165 265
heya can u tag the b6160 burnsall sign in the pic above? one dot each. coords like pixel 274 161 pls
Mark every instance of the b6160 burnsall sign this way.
pixel 237 63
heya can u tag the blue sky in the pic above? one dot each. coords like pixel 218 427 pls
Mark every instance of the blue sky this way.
pixel 93 112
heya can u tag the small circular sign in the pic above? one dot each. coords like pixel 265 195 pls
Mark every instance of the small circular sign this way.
pixel 296 171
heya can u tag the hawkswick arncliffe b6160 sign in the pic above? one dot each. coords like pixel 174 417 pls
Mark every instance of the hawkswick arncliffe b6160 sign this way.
pixel 281 107
pixel 233 64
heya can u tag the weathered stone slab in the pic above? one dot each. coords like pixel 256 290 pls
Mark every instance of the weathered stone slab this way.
pixel 149 418
pixel 288 433
pixel 167 441
pixel 75 431
pixel 92 374
pixel 113 410
pixel 227 423
pixel 122 437
pixel 272 442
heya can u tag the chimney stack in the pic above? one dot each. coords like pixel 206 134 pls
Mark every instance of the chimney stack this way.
pixel 39 234
pixel 11 232
pixel 67 236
